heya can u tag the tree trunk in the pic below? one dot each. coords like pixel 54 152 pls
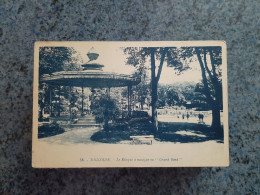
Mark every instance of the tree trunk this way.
pixel 41 114
pixel 142 105
pixel 106 124
pixel 216 125
pixel 154 108
pixel 51 113
pixel 154 94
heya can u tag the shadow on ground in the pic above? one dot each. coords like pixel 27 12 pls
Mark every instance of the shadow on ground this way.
pixel 168 132
pixel 117 133
pixel 188 132
pixel 49 130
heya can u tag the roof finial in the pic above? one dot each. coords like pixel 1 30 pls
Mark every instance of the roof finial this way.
pixel 92 54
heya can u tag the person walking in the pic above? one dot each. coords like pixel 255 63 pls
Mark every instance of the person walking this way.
pixel 201 116
pixel 188 116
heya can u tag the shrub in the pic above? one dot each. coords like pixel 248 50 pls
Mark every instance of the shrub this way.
pixel 139 114
pixel 104 108
pixel 49 130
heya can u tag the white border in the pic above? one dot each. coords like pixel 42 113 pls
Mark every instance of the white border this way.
pixel 188 155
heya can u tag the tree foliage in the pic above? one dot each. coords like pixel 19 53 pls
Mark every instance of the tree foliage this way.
pixel 103 107
pixel 53 59
pixel 199 100
pixel 175 94
pixel 138 56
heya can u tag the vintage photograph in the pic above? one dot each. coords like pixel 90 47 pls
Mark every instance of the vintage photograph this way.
pixel 130 104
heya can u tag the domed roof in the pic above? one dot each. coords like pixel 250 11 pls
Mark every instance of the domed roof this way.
pixel 90 79
pixel 92 66
pixel 91 76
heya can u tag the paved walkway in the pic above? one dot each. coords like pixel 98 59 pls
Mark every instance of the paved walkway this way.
pixel 168 118
pixel 73 136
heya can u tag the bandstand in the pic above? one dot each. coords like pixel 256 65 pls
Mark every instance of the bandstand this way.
pixel 92 76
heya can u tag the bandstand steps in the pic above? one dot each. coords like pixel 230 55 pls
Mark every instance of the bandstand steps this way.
pixel 81 121
pixel 84 125
pixel 85 121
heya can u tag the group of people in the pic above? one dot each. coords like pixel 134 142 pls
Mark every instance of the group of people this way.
pixel 187 115
pixel 184 114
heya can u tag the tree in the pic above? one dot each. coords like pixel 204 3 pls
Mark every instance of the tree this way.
pixel 161 96
pixel 43 99
pixel 210 61
pixel 174 97
pixel 199 99
pixel 138 58
pixel 53 59
pixel 103 107
pixel 211 79
pixel 179 59
pixel 142 92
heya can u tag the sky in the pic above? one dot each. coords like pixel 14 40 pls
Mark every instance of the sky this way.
pixel 114 60
pixel 169 76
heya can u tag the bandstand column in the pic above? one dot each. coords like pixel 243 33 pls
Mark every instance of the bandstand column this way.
pixel 82 101
pixel 108 92
pixel 129 87
pixel 70 102
pixel 106 118
pixel 59 103
pixel 50 102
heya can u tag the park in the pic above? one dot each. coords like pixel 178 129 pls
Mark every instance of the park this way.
pixel 82 103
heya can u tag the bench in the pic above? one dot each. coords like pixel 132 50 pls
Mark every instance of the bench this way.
pixel 74 121
pixel 142 139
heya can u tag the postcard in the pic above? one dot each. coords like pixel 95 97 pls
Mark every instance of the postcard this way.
pixel 130 104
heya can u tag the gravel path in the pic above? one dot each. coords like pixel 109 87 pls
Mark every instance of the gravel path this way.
pixel 73 136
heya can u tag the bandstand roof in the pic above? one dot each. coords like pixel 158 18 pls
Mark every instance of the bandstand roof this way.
pixel 92 75
pixel 90 78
